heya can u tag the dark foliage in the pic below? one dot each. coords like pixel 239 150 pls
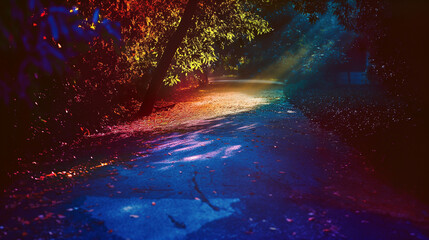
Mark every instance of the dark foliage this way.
pixel 37 38
pixel 396 36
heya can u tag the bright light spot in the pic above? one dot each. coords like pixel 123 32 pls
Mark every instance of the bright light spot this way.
pixel 127 208
pixel 247 127
pixel 197 145
pixel 173 143
pixel 166 167
pixel 230 151
pixel 202 156
pixel 193 158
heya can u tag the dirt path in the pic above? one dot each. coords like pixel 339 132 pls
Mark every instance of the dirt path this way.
pixel 230 162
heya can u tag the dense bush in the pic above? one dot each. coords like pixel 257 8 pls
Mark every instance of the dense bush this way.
pixel 37 37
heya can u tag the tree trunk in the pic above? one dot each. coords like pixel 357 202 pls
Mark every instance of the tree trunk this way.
pixel 163 65
pixel 203 77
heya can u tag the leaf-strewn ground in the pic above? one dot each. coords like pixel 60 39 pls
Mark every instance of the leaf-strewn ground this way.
pixel 387 130
pixel 232 162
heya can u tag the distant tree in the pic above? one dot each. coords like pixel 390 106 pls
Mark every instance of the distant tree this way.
pixel 396 36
